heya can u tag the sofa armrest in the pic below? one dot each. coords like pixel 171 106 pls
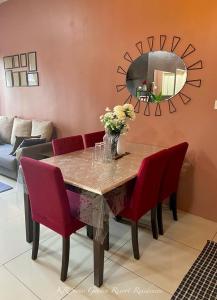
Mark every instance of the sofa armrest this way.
pixel 35 151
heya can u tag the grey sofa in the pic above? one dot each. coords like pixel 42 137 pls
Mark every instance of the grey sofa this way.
pixel 8 163
pixel 18 127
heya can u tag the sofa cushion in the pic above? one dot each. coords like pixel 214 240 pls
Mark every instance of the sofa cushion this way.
pixel 21 127
pixel 6 125
pixel 42 128
pixel 19 140
pixel 7 161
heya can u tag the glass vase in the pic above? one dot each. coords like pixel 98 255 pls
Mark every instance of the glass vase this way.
pixel 114 144
pixel 110 144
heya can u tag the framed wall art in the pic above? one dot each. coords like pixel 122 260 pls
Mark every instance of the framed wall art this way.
pixel 23 60
pixel 8 62
pixel 9 78
pixel 16 79
pixel 23 79
pixel 32 78
pixel 16 61
pixel 32 61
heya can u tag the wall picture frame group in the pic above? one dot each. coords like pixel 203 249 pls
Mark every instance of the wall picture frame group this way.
pixel 21 70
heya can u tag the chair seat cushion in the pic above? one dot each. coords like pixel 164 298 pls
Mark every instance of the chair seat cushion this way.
pixel 7 161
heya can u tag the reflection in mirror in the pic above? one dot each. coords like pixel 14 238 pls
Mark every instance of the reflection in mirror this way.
pixel 156 76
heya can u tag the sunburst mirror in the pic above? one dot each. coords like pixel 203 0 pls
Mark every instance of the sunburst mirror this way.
pixel 158 75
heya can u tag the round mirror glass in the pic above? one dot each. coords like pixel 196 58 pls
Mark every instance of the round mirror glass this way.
pixel 156 76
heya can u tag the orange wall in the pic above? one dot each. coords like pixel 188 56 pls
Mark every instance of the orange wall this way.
pixel 80 43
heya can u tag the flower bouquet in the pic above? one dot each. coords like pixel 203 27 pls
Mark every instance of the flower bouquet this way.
pixel 116 123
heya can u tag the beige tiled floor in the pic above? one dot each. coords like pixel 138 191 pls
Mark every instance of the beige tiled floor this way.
pixel 156 275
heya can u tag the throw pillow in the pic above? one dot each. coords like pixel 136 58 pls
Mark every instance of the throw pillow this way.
pixel 21 127
pixel 32 142
pixel 44 128
pixel 6 125
pixel 27 143
pixel 19 140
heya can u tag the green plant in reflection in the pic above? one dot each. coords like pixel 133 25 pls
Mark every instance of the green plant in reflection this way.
pixel 156 98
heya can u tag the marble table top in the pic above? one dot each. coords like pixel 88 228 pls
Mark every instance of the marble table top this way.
pixel 80 170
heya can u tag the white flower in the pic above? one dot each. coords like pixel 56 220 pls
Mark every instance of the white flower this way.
pixel 118 108
pixel 115 121
pixel 107 109
pixel 128 106
pixel 120 115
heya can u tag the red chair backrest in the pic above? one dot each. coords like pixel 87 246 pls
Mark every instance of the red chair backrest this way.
pixel 94 137
pixel 47 194
pixel 172 172
pixel 146 189
pixel 67 144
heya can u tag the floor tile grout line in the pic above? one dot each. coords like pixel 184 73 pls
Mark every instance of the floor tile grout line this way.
pixel 162 242
pixel 7 262
pixel 141 277
pixel 173 239
pixel 214 236
pixel 122 245
pixel 20 281
pixel 105 260
pixel 77 285
pixel 110 260
pixel 182 243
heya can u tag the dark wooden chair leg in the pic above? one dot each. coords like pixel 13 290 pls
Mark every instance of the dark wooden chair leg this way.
pixel 106 241
pixel 118 218
pixel 173 205
pixel 28 219
pixel 159 218
pixel 154 223
pixel 90 231
pixel 98 249
pixel 36 234
pixel 135 244
pixel 65 257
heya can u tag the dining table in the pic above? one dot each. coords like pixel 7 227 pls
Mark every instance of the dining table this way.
pixel 102 189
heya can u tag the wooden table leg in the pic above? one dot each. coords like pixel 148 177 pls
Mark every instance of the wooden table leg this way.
pixel 90 231
pixel 28 219
pixel 98 249
pixel 106 229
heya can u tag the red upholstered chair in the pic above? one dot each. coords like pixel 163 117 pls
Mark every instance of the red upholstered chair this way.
pixel 145 195
pixel 67 144
pixel 94 137
pixel 169 185
pixel 51 205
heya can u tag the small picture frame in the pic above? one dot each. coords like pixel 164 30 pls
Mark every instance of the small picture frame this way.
pixel 9 78
pixel 23 60
pixel 16 79
pixel 23 79
pixel 8 62
pixel 16 61
pixel 32 61
pixel 33 79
